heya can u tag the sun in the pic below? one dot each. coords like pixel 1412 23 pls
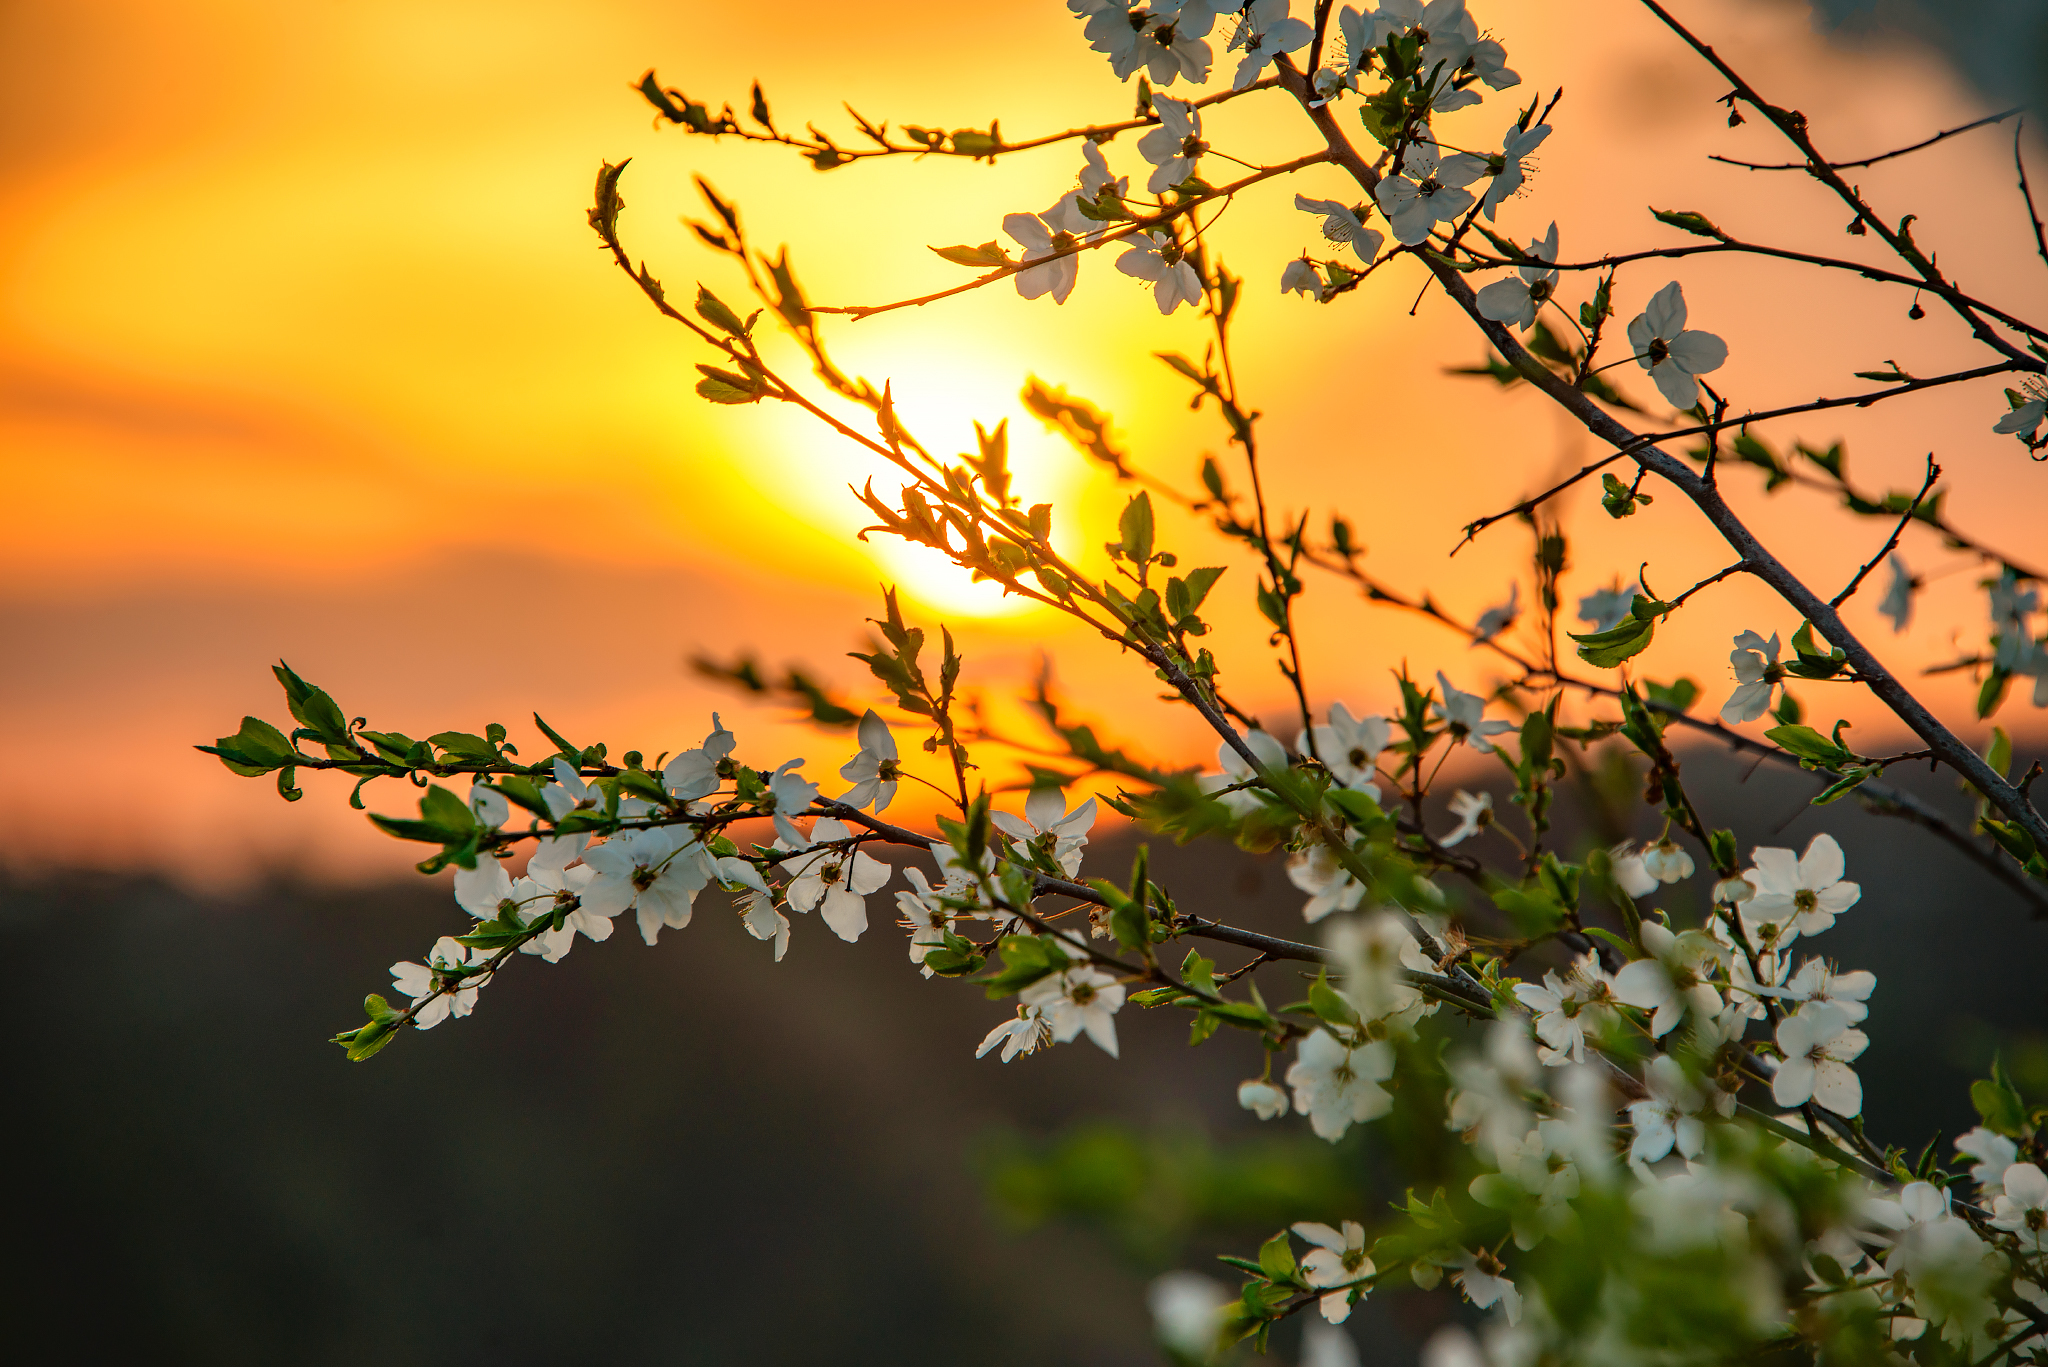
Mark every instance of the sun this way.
pixel 939 398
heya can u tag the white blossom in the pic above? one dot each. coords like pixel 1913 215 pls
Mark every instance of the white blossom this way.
pixel 568 793
pixel 1487 1104
pixel 1047 825
pixel 1564 1007
pixel 1605 609
pixel 1265 31
pixel 1517 300
pixel 1848 993
pixel 1133 40
pixel 646 870
pixel 1755 660
pixel 1301 277
pixel 487 805
pixel 765 921
pixel 1631 875
pixel 1330 886
pixel 1350 747
pixel 1188 1311
pixel 1429 188
pixel 1518 144
pixel 485 890
pixel 833 882
pixel 1337 1085
pixel 1673 980
pixel 694 773
pixel 1024 1033
pixel 1667 862
pixel 874 771
pixel 1262 1098
pixel 1536 1164
pixel 1499 617
pixel 1819 1046
pixel 1670 1117
pixel 1175 147
pixel 1484 1280
pixel 1342 224
pixel 1474 812
pixel 565 888
pixel 425 980
pixel 1994 1154
pixel 1052 240
pixel 2022 1208
pixel 1799 895
pixel 1464 714
pixel 1372 953
pixel 1077 1000
pixel 1335 1265
pixel 1672 355
pixel 1271 755
pixel 1096 176
pixel 925 915
pixel 2024 419
pixel 1897 605
pixel 790 794
pixel 1155 257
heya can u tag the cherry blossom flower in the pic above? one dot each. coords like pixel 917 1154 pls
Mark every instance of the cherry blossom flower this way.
pixel 834 882
pixel 1301 277
pixel 1156 257
pixel 1050 239
pixel 649 871
pixel 764 921
pixel 1096 176
pixel 1024 1033
pixel 1337 1085
pixel 1342 224
pixel 1271 755
pixel 1175 147
pixel 1756 673
pixel 1897 605
pixel 434 977
pixel 1047 825
pixel 1328 883
pixel 1464 714
pixel 568 793
pixel 1848 993
pixel 874 771
pixel 1802 894
pixel 694 773
pixel 1429 188
pixel 1670 1117
pixel 2025 418
pixel 1487 1103
pixel 1819 1046
pixel 564 888
pixel 1474 813
pixel 1132 39
pixel 1335 1266
pixel 1666 862
pixel 1350 748
pixel 1672 981
pixel 1672 355
pixel 1077 1000
pixel 789 795
pixel 1517 300
pixel 924 914
pixel 484 890
pixel 1499 617
pixel 1188 1313
pixel 1262 1098
pixel 1994 1154
pixel 1265 31
pixel 2022 1208
pixel 1631 875
pixel 1605 609
pixel 1443 27
pixel 1564 1007
pixel 1536 1164
pixel 488 805
pixel 1373 953
pixel 1508 172
pixel 1489 63
pixel 1483 1279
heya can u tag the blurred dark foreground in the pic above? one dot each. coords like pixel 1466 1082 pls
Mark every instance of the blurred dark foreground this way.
pixel 692 1155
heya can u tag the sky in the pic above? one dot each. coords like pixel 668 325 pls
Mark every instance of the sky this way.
pixel 306 352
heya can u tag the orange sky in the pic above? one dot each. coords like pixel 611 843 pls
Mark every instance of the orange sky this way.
pixel 306 350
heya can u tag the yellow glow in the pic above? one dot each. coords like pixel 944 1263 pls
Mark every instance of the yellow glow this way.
pixel 947 395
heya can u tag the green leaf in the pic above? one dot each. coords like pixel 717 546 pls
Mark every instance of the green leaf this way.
pixel 465 745
pixel 1687 221
pixel 1276 1258
pixel 1606 649
pixel 713 310
pixel 1999 1104
pixel 256 749
pixel 987 254
pixel 1328 1004
pixel 1135 527
pixel 1811 746
pixel 313 708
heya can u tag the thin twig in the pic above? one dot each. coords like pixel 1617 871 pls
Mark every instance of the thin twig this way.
pixel 1882 156
pixel 1892 541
